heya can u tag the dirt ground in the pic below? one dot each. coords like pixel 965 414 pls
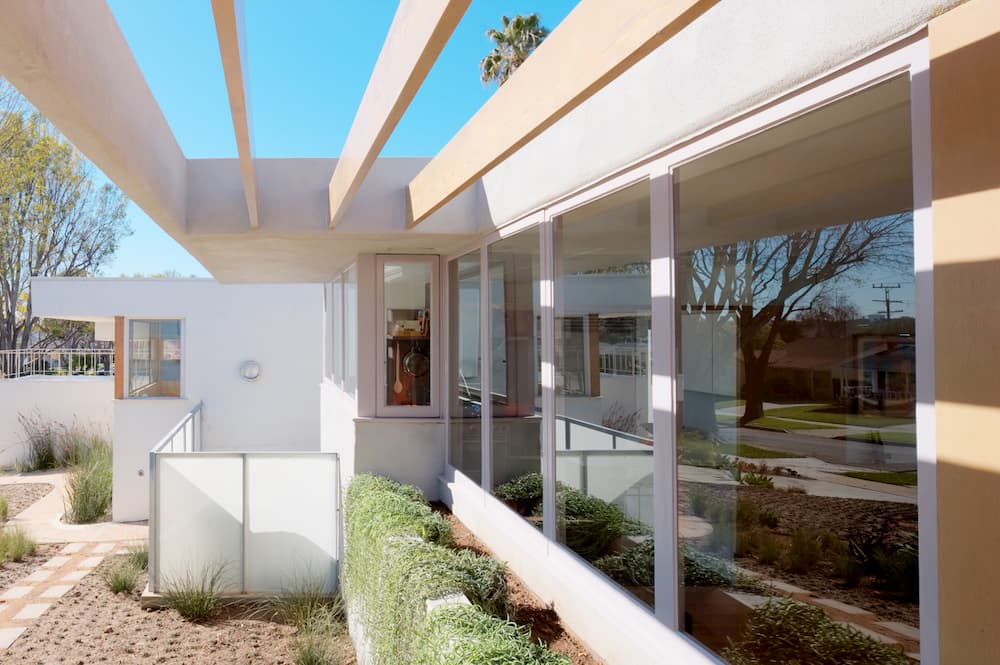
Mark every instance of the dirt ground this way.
pixel 91 625
pixel 529 610
pixel 12 571
pixel 22 495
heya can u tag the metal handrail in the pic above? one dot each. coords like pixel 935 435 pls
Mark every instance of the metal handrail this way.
pixel 613 433
pixel 182 428
pixel 18 363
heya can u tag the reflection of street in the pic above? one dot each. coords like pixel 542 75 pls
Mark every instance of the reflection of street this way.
pixel 879 457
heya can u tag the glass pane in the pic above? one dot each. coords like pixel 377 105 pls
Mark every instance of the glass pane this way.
pixel 154 361
pixel 407 301
pixel 199 519
pixel 515 430
pixel 604 452
pixel 351 330
pixel 796 439
pixel 287 547
pixel 465 385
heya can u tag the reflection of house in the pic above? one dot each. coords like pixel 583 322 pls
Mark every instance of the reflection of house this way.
pixel 883 373
pixel 635 135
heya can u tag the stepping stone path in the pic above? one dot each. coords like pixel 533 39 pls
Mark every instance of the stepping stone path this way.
pixel 29 598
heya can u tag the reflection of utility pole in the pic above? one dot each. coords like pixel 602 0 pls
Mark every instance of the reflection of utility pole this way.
pixel 886 288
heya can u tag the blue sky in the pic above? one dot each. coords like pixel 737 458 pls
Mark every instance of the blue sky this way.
pixel 309 62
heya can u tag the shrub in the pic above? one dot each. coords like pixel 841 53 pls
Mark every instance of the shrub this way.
pixel 523 493
pixel 747 513
pixel 701 569
pixel 40 438
pixel 696 449
pixel 588 525
pixel 698 500
pixel 786 631
pixel 395 561
pixel 461 635
pixel 138 556
pixel 121 576
pixel 768 518
pixel 197 596
pixel 755 479
pixel 308 606
pixel 4 509
pixel 803 552
pixel 88 489
pixel 314 650
pixel 769 548
pixel 15 544
pixel 633 567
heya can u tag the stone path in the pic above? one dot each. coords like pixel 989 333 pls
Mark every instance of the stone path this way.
pixel 28 598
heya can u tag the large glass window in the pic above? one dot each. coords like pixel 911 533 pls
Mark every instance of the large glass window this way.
pixel 796 348
pixel 465 386
pixel 154 358
pixel 604 446
pixel 515 311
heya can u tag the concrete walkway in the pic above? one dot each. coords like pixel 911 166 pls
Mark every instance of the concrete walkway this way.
pixel 43 519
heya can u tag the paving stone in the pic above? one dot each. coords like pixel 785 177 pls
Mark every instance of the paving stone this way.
pixel 870 633
pixel 842 607
pixel 104 548
pixel 32 611
pixel 906 630
pixel 75 576
pixel 56 591
pixel 91 562
pixel 72 548
pixel 8 635
pixel 56 562
pixel 17 592
pixel 785 587
pixel 38 576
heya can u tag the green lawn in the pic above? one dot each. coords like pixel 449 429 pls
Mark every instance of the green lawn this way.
pixel 903 478
pixel 828 413
pixel 725 404
pixel 772 423
pixel 900 438
pixel 747 450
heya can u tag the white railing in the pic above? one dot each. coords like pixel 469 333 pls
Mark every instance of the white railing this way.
pixel 185 437
pixel 266 521
pixel 627 359
pixel 18 363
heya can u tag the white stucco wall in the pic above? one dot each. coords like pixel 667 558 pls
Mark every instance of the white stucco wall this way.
pixel 279 326
pixel 83 401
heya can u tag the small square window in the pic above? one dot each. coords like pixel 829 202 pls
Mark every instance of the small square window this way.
pixel 154 358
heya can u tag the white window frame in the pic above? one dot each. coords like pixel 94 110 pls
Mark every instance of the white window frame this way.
pixel 907 55
pixel 432 410
pixel 127 357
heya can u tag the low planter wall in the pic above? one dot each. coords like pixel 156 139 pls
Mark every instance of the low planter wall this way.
pixel 412 599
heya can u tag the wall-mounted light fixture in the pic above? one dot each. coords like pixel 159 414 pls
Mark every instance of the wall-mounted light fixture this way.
pixel 250 371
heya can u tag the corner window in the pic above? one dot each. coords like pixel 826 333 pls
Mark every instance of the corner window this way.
pixel 154 358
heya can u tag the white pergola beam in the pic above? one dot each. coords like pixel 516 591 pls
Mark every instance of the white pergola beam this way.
pixel 418 33
pixel 231 32
pixel 597 42
pixel 71 61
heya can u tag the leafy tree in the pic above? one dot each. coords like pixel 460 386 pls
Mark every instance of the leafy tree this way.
pixel 758 284
pixel 512 45
pixel 55 219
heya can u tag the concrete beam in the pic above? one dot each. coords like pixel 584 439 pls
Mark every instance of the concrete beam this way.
pixel 416 37
pixel 230 27
pixel 594 44
pixel 72 62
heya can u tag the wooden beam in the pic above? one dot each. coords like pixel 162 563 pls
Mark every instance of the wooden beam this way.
pixel 597 42
pixel 119 357
pixel 231 33
pixel 418 33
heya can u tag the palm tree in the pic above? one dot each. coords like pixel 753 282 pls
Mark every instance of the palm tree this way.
pixel 512 45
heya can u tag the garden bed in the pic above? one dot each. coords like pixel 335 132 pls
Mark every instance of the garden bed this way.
pixel 829 517
pixel 529 610
pixel 91 625
pixel 21 495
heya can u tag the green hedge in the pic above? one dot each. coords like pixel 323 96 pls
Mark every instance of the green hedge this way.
pixel 397 557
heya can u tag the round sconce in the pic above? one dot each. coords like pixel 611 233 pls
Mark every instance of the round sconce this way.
pixel 250 371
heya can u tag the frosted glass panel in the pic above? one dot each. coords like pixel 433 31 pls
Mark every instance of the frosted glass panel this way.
pixel 199 517
pixel 291 522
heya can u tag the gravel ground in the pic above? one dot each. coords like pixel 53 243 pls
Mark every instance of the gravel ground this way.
pixel 21 495
pixel 91 625
pixel 12 571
